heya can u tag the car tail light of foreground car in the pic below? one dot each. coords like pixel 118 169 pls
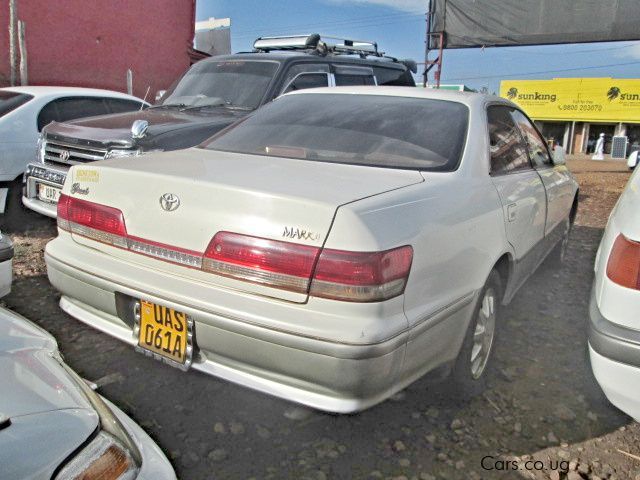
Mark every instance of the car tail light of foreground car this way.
pixel 623 266
pixel 327 273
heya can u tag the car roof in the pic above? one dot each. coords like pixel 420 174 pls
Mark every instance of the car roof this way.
pixel 467 98
pixel 287 56
pixel 40 91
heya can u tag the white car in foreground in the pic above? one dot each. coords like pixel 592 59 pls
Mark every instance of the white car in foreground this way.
pixel 54 426
pixel 330 248
pixel 614 333
pixel 24 111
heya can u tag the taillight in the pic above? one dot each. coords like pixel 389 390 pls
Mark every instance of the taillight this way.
pixel 338 275
pixel 63 212
pixel 362 276
pixel 278 264
pixel 623 266
pixel 334 274
pixel 92 220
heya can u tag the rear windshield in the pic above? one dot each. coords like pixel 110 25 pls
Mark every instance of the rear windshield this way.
pixel 375 130
pixel 11 100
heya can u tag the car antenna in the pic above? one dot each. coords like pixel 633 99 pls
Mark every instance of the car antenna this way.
pixel 145 97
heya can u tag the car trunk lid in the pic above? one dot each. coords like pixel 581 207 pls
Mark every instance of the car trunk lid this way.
pixel 180 200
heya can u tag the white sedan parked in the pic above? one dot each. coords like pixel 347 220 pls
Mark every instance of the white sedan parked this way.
pixel 24 111
pixel 614 333
pixel 331 248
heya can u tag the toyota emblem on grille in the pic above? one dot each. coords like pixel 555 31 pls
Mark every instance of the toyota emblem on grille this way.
pixel 64 155
pixel 169 202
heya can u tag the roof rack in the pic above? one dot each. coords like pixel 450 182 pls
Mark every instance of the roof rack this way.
pixel 314 41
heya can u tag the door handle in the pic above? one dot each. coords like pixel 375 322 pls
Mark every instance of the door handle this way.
pixel 511 212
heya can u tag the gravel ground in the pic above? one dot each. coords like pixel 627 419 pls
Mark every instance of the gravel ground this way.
pixel 542 417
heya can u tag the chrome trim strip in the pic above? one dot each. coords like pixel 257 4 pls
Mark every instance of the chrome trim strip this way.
pixel 71 145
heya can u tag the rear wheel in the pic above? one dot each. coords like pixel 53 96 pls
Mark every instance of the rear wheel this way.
pixel 474 359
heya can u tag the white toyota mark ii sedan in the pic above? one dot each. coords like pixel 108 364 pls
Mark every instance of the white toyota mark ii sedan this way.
pixel 330 249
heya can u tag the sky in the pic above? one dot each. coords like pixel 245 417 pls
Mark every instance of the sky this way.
pixel 399 27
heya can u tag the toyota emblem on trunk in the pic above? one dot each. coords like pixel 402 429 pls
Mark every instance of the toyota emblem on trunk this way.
pixel 169 202
pixel 64 155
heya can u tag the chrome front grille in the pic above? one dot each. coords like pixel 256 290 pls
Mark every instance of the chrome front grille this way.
pixel 59 153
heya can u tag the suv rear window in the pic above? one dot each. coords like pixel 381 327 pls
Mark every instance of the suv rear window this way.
pixel 375 130
pixel 9 101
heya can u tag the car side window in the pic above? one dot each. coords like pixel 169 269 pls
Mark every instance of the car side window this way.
pixel 393 76
pixel 308 80
pixel 305 75
pixel 538 151
pixel 71 108
pixel 119 105
pixel 508 148
pixel 347 75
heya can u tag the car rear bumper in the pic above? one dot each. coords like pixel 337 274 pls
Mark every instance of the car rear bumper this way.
pixel 619 382
pixel 615 342
pixel 614 351
pixel 334 376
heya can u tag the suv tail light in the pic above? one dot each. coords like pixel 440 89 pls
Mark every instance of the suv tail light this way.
pixel 623 266
pixel 334 274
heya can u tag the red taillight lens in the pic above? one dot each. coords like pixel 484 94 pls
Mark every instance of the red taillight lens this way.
pixel 260 260
pixel 362 276
pixel 63 211
pixel 92 220
pixel 338 275
pixel 623 266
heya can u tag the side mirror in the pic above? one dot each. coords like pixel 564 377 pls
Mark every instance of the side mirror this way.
pixel 559 157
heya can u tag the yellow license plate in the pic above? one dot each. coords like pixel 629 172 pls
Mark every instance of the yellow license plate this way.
pixel 164 331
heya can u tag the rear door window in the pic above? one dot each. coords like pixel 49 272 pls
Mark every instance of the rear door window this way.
pixel 9 101
pixel 352 75
pixel 71 108
pixel 120 105
pixel 508 148
pixel 393 76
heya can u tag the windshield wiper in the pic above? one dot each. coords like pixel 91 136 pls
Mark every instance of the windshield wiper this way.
pixel 168 105
pixel 229 106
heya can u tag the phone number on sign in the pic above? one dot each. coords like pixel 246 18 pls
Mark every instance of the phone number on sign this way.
pixel 581 108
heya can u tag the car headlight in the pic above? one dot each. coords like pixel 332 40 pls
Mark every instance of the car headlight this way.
pixel 112 455
pixel 41 148
pixel 103 459
pixel 118 153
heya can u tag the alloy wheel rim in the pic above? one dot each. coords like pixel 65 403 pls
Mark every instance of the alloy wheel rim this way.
pixel 483 334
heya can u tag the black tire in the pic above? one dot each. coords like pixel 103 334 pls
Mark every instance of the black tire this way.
pixel 15 214
pixel 468 375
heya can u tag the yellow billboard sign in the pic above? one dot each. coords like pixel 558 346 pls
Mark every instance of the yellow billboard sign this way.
pixel 579 99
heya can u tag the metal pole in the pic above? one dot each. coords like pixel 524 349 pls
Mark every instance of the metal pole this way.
pixel 22 44
pixel 425 75
pixel 13 59
pixel 129 82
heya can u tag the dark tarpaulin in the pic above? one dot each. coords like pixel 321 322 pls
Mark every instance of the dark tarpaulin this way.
pixel 477 23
